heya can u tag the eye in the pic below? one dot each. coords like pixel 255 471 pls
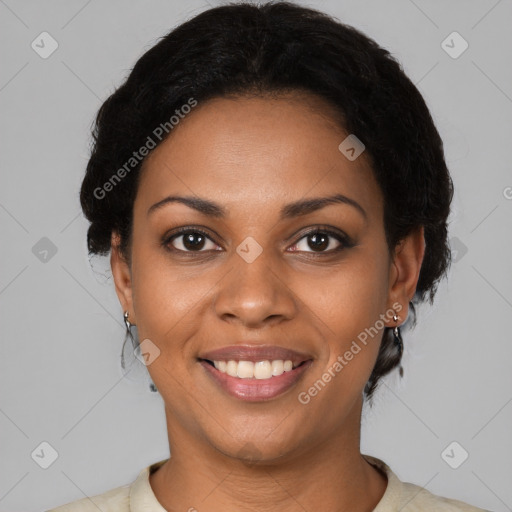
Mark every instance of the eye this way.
pixel 322 241
pixel 319 240
pixel 190 240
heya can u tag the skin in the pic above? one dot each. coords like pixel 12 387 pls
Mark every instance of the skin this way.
pixel 252 156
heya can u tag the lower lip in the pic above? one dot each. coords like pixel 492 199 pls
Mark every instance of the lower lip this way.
pixel 255 390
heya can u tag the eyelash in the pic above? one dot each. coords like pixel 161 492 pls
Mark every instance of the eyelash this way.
pixel 345 241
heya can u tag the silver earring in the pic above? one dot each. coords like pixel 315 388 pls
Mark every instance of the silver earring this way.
pixel 135 344
pixel 128 334
pixel 397 338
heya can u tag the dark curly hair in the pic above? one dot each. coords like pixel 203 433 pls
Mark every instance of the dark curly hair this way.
pixel 241 49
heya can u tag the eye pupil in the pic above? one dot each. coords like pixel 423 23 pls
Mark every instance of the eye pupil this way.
pixel 320 241
pixel 193 241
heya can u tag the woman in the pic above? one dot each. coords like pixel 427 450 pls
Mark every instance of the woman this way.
pixel 274 196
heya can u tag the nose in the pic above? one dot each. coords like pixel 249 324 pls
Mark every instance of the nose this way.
pixel 255 294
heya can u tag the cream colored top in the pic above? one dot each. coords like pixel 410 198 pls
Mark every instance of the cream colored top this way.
pixel 139 497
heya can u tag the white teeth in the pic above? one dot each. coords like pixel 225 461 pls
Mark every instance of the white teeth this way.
pixel 277 367
pixel 262 370
pixel 245 369
pixel 258 370
pixel 231 367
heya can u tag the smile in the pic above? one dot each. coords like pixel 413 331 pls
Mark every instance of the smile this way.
pixel 257 370
pixel 255 381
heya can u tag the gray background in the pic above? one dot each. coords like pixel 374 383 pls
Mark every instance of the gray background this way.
pixel 61 323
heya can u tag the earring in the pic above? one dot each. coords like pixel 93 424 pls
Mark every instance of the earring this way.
pixel 397 337
pixel 128 334
pixel 135 344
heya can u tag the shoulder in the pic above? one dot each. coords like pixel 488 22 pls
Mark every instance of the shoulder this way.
pixel 136 496
pixel 115 500
pixel 416 499
pixel 409 497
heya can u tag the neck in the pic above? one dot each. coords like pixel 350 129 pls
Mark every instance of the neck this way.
pixel 328 474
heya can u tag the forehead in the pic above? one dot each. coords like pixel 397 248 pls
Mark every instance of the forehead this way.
pixel 254 151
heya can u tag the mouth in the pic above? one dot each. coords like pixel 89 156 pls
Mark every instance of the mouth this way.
pixel 255 373
pixel 261 370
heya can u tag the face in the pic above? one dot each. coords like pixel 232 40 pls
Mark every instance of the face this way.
pixel 266 271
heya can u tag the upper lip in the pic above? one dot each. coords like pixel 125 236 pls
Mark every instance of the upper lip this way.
pixel 254 353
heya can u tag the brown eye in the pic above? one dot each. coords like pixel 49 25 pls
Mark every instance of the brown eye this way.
pixel 191 240
pixel 322 241
pixel 318 241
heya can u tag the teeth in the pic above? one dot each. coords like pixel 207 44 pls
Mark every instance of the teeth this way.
pixel 231 367
pixel 262 370
pixel 245 369
pixel 258 370
pixel 277 367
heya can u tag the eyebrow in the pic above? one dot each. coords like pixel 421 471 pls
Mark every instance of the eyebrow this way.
pixel 291 210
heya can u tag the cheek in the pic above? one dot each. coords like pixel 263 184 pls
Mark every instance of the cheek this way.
pixel 350 296
pixel 348 309
pixel 167 302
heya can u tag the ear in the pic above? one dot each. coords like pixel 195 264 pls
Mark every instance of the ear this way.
pixel 405 272
pixel 121 273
